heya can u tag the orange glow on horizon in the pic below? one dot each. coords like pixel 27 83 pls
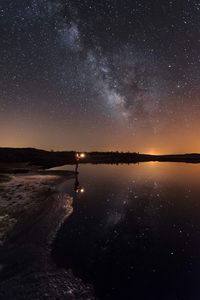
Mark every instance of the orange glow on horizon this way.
pixel 154 152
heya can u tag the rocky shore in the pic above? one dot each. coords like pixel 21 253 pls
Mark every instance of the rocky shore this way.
pixel 31 212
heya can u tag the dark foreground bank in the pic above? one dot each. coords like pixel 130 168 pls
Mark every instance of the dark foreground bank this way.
pixel 31 211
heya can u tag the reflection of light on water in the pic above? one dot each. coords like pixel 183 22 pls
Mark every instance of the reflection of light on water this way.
pixel 152 163
pixel 80 190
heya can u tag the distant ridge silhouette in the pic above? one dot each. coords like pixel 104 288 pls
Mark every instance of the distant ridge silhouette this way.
pixel 47 159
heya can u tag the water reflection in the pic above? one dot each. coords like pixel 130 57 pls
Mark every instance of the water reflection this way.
pixel 136 235
pixel 77 187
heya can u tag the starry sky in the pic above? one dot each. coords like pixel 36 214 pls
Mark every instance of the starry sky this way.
pixel 100 75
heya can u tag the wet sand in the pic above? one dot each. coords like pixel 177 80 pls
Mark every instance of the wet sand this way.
pixel 32 208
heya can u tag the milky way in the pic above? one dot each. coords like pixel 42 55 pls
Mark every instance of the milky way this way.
pixel 110 75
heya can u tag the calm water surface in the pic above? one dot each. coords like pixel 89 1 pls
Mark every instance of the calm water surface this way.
pixel 135 231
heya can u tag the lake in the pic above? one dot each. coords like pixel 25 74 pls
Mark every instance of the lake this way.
pixel 135 230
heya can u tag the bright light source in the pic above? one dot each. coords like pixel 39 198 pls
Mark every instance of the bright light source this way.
pixel 82 190
pixel 153 152
pixel 80 155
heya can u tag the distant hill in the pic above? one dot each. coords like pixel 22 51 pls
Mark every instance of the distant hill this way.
pixel 49 159
pixel 36 157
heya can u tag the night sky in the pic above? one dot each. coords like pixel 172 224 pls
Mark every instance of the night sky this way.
pixel 100 75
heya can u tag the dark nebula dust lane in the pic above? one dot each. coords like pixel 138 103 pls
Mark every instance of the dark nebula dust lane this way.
pixel 127 72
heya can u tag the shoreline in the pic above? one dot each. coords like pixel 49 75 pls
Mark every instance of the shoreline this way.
pixel 24 159
pixel 26 266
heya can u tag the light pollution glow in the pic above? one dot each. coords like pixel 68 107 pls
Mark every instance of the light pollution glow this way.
pixel 75 76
